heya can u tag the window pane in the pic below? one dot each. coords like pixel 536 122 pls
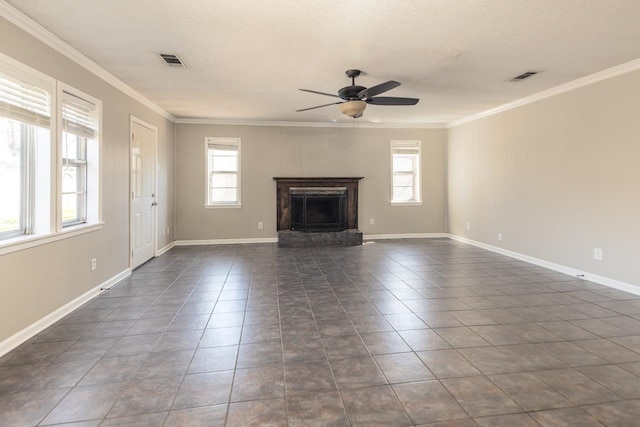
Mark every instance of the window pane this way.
pixel 10 175
pixel 403 180
pixel 69 180
pixel 69 207
pixel 74 179
pixel 224 180
pixel 223 195
pixel 403 163
pixel 403 194
pixel 225 163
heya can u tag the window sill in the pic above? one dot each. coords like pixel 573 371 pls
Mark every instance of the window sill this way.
pixel 406 203
pixel 25 242
pixel 229 206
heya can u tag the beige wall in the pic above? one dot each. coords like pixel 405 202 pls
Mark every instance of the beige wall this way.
pixel 35 282
pixel 558 178
pixel 269 152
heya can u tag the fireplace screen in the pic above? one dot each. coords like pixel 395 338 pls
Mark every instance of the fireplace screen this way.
pixel 318 208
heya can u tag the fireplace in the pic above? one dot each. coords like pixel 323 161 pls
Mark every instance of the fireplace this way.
pixel 316 209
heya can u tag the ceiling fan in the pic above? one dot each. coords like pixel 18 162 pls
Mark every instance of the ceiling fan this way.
pixel 355 98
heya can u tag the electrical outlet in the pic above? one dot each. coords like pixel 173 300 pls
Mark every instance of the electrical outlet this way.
pixel 164 231
pixel 260 225
pixel 468 226
pixel 372 221
pixel 499 236
pixel 598 254
pixel 168 230
pixel 94 264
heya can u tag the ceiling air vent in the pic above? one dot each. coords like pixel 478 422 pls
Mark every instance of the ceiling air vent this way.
pixel 172 60
pixel 524 76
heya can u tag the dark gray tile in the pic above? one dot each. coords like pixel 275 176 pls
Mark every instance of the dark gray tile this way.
pixel 357 372
pixel 384 342
pixel 211 388
pixel 565 417
pixel 114 370
pixel 260 354
pixel 143 420
pixel 529 392
pixel 264 382
pixel 424 339
pixel 374 406
pixel 490 360
pixel 85 403
pixel 616 413
pixel 428 402
pixel 208 416
pixel 461 337
pixel 403 367
pixel 312 377
pixel 447 364
pixel 317 410
pixel 213 359
pixel 520 420
pixel 27 408
pixel 257 413
pixel 165 364
pixel 145 396
pixel 480 397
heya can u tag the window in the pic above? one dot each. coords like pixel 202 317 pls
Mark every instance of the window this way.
pixel 48 182
pixel 25 140
pixel 79 149
pixel 405 170
pixel 223 171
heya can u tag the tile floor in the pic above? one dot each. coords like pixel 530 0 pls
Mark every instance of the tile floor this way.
pixel 392 333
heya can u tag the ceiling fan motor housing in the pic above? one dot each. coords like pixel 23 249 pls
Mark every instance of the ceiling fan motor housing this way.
pixel 350 92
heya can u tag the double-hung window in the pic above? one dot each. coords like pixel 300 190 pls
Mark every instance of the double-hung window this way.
pixel 48 180
pixel 223 172
pixel 25 145
pixel 405 172
pixel 79 140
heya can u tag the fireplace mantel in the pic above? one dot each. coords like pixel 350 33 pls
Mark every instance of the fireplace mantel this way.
pixel 284 183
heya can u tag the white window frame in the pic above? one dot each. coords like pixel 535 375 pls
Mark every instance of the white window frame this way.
pixel 91 212
pixel 236 142
pixel 417 172
pixel 43 201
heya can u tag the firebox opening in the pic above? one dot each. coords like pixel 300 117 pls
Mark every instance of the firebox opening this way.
pixel 318 208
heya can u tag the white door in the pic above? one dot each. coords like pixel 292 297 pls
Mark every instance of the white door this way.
pixel 143 193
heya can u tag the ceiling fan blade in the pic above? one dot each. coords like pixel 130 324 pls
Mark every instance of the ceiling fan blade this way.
pixel 378 89
pixel 390 100
pixel 319 106
pixel 319 93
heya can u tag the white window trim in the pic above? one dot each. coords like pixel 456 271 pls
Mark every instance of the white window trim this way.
pixel 228 141
pixel 94 169
pixel 52 231
pixel 418 201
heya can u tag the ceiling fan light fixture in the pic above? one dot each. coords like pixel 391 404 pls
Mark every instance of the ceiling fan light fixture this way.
pixel 352 108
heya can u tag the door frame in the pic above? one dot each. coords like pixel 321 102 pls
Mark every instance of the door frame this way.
pixel 154 227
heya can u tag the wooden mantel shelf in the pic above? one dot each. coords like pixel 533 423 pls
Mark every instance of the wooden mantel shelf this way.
pixel 283 202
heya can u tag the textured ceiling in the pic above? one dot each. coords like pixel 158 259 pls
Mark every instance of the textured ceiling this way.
pixel 247 58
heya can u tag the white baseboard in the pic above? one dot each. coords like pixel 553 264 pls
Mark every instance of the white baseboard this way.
pixel 35 328
pixel 225 241
pixel 606 281
pixel 166 248
pixel 404 236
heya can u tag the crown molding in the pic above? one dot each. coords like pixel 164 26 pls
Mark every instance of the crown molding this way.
pixel 36 30
pixel 618 70
pixel 202 121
